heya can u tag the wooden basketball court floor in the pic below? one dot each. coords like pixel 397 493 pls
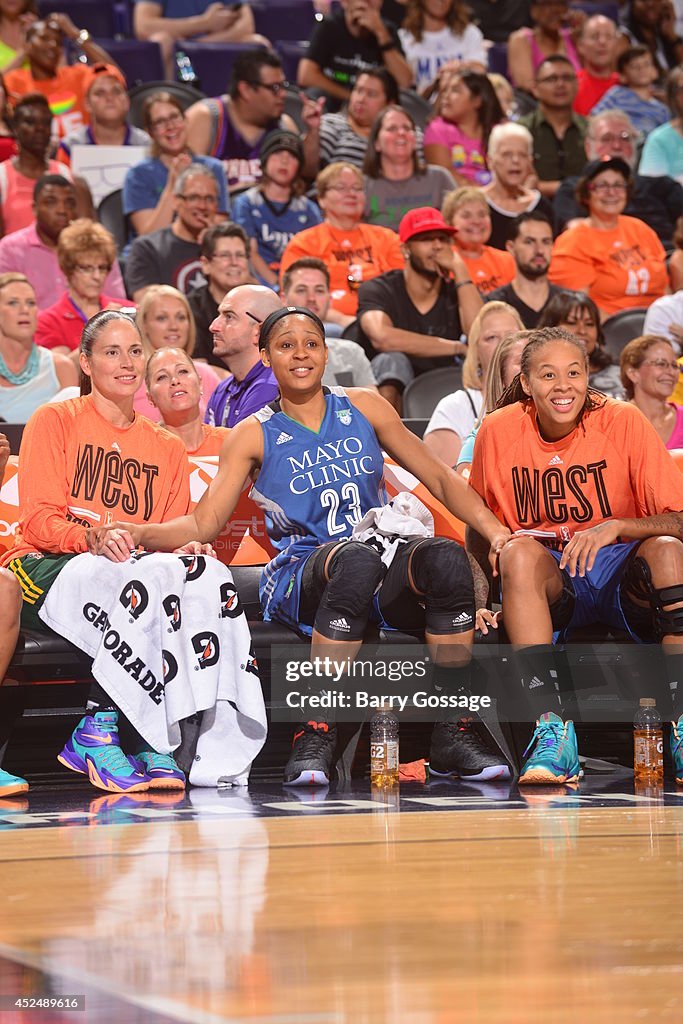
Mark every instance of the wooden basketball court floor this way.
pixel 450 903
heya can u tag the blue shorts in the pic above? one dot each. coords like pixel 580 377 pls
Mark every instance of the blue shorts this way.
pixel 597 594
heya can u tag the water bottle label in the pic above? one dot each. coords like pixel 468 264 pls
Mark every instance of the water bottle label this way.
pixel 384 756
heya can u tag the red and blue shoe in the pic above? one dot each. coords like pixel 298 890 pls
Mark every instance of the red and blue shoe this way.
pixel 94 750
pixel 161 769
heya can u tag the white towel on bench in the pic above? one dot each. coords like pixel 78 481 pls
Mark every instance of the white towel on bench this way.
pixel 168 639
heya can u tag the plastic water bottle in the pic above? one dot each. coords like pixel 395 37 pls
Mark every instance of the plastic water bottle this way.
pixel 384 749
pixel 648 744
pixel 185 71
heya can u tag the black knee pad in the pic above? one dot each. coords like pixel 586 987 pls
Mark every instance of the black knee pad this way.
pixel 638 582
pixel 441 572
pixel 355 571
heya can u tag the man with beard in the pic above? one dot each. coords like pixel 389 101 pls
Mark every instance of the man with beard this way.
pixel 529 291
pixel 432 298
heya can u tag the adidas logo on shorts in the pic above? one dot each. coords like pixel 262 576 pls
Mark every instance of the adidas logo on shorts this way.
pixel 283 438
pixel 341 624
pixel 556 461
pixel 535 682
pixel 463 619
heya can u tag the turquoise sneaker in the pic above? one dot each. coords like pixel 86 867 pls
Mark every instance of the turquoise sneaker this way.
pixel 11 784
pixel 161 769
pixel 676 740
pixel 554 754
pixel 94 750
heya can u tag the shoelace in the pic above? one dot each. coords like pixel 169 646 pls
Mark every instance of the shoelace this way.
pixel 550 734
pixel 157 760
pixel 114 759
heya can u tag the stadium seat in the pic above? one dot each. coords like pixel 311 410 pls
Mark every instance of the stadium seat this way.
pixel 419 109
pixel 110 216
pixel 212 62
pixel 186 94
pixel 139 61
pixel 290 53
pixel 100 19
pixel 622 328
pixel 498 59
pixel 423 394
pixel 285 20
pixel 13 432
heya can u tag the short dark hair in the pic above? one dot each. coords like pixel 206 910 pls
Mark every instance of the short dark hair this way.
pixel 226 229
pixel 248 66
pixel 51 179
pixel 566 302
pixel 389 83
pixel 31 99
pixel 529 215
pixel 632 53
pixel 304 263
pixel 553 58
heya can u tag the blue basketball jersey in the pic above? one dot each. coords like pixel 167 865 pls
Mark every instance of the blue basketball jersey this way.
pixel 313 488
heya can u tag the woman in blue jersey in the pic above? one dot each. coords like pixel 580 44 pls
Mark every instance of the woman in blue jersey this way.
pixel 318 453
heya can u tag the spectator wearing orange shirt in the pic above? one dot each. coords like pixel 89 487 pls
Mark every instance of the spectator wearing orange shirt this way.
pixel 352 251
pixel 618 260
pixel 467 211
pixel 64 86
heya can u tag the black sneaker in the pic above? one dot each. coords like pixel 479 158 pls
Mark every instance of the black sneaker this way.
pixel 312 757
pixel 459 749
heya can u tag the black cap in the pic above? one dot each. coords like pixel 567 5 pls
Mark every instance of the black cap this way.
pixel 278 140
pixel 606 163
pixel 279 314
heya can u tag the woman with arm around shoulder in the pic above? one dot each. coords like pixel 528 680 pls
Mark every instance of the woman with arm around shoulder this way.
pixel 596 502
pixel 65 492
pixel 29 374
pixel 322 582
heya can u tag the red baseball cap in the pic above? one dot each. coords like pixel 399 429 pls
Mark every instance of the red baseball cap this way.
pixel 422 220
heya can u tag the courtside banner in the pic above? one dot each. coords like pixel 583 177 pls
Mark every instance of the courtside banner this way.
pixel 589 683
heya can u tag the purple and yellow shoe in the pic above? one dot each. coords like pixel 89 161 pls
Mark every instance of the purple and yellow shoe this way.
pixel 161 769
pixel 676 740
pixel 94 750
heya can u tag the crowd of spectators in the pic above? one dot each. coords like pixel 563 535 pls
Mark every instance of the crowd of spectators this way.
pixel 422 207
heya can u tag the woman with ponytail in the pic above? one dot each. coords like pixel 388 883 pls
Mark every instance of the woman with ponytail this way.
pixel 595 504
pixel 84 461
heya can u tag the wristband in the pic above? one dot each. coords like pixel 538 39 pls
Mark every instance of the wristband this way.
pixel 391 45
pixel 82 37
pixel 461 284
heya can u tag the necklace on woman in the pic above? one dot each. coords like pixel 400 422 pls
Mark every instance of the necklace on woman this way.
pixel 25 375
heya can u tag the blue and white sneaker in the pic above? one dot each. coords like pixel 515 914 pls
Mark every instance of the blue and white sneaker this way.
pixel 554 754
pixel 10 785
pixel 161 769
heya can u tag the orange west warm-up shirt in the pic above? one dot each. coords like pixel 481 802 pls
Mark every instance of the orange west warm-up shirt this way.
pixel 363 252
pixel 77 470
pixel 493 269
pixel 612 466
pixel 620 269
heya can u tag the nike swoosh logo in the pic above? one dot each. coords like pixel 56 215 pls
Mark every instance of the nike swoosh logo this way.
pixel 100 737
pixel 167 771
